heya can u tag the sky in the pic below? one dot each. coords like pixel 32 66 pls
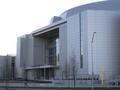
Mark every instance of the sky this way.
pixel 19 17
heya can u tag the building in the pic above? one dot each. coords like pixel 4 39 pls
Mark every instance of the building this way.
pixel 7 67
pixel 82 41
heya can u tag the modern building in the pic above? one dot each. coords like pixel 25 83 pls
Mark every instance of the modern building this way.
pixel 82 41
pixel 7 67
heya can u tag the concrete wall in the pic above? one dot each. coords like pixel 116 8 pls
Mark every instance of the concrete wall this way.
pixel 6 71
pixel 2 66
pixel 106 46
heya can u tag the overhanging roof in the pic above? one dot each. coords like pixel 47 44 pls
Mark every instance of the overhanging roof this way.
pixel 48 28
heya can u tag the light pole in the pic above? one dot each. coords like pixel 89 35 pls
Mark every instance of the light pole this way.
pixel 92 60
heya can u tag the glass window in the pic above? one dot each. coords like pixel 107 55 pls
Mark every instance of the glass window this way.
pixel 53 51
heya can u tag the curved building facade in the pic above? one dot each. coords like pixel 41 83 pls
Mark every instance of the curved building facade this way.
pixel 83 41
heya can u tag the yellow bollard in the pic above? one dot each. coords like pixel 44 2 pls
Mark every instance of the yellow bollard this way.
pixel 102 76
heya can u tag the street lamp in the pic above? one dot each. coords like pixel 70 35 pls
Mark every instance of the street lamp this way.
pixel 92 41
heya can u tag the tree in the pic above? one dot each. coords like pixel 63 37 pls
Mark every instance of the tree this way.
pixel 74 68
pixel 66 70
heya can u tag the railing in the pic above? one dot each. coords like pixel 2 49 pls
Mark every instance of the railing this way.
pixel 58 88
pixel 55 85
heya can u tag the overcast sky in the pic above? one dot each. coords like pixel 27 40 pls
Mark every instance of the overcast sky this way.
pixel 19 17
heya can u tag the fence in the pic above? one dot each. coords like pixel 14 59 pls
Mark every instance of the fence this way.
pixel 59 88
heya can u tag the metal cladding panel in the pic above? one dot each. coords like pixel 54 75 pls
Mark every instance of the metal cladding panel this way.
pixel 63 51
pixel 106 44
pixel 73 42
pixel 24 56
pixel 39 51
pixel 84 42
pixel 29 61
pixel 18 58
pixel 23 52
